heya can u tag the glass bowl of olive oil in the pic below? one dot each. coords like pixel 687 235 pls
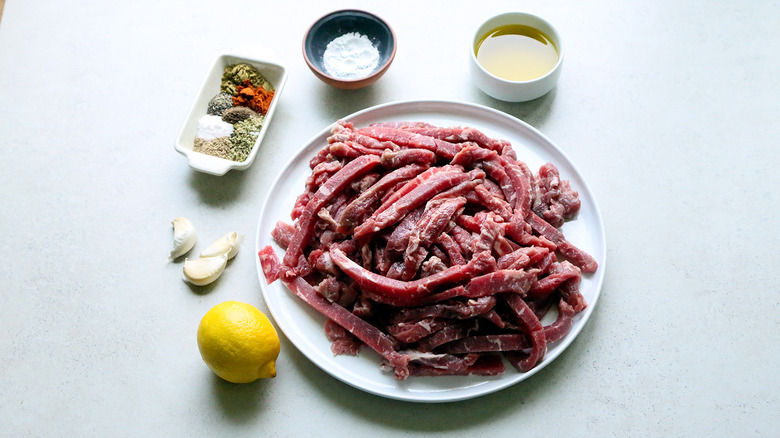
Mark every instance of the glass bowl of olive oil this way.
pixel 516 57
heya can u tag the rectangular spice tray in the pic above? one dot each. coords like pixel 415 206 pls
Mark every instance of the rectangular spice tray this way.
pixel 266 63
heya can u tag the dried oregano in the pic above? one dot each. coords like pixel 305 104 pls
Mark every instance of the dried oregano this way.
pixel 244 136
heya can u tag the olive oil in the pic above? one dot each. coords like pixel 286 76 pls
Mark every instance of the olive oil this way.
pixel 517 52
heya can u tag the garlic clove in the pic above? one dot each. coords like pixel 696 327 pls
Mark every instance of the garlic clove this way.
pixel 184 237
pixel 227 244
pixel 204 270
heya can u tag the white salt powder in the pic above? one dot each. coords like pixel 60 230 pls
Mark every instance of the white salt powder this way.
pixel 350 56
pixel 211 127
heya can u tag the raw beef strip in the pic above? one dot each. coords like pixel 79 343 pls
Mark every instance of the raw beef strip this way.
pixel 558 273
pixel 364 331
pixel 410 201
pixel 322 173
pixel 457 134
pixel 342 341
pixel 394 159
pixel 570 292
pixel 521 186
pixel 399 238
pixel 358 209
pixel 486 365
pixel 531 325
pixel 283 233
pixel 442 361
pixel 493 202
pixel 562 325
pixel 453 249
pixel 403 124
pixel 431 224
pixel 401 137
pixel 401 293
pixel 515 281
pixel 556 201
pixel 450 309
pixel 341 179
pixel 410 185
pixel 409 332
pixel 270 264
pixel 580 258
pixel 341 133
pixel 485 343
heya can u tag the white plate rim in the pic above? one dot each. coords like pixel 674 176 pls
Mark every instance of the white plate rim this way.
pixel 279 299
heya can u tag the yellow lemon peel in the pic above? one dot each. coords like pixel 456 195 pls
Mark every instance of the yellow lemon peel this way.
pixel 238 342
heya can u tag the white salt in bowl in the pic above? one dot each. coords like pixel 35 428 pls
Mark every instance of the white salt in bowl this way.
pixel 338 23
pixel 266 63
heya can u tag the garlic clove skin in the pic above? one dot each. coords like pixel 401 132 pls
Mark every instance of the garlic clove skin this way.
pixel 227 244
pixel 204 270
pixel 184 237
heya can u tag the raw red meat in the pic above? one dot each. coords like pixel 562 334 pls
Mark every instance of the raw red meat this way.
pixel 435 247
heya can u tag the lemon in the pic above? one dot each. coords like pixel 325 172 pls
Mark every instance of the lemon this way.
pixel 238 342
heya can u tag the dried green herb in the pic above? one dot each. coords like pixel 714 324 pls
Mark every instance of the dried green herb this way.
pixel 235 75
pixel 244 136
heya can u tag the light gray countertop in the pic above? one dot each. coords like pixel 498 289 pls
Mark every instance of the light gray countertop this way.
pixel 669 109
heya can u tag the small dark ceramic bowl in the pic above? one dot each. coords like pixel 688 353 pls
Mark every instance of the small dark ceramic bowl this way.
pixel 335 24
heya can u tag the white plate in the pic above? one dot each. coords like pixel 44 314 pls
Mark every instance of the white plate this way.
pixel 304 326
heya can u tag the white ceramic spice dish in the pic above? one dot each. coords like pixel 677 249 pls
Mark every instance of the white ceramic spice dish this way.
pixel 266 63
